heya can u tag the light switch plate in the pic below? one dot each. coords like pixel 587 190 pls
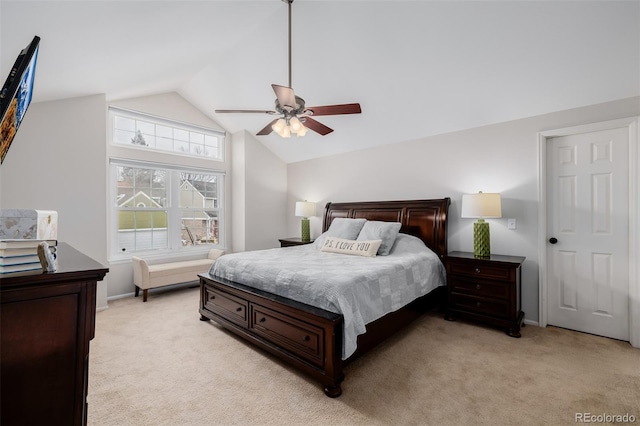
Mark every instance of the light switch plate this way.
pixel 511 224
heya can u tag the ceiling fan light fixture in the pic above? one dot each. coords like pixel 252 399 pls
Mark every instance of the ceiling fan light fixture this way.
pixel 279 126
pixel 295 124
pixel 286 133
pixel 302 131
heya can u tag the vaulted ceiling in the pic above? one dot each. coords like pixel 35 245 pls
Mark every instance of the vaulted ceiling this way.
pixel 417 68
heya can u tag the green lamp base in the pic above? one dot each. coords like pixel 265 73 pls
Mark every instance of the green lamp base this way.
pixel 481 239
pixel 306 232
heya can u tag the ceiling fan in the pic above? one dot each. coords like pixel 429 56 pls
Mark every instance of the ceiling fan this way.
pixel 295 115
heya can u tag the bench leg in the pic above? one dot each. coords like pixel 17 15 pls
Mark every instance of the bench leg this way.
pixel 145 292
pixel 137 291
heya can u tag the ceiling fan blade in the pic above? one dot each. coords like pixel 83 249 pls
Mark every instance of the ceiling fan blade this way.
pixel 234 111
pixel 334 109
pixel 285 96
pixel 316 126
pixel 267 129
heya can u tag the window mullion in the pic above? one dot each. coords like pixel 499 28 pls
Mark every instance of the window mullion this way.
pixel 175 218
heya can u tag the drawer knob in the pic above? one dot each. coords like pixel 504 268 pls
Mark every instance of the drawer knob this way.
pixel 238 309
pixel 263 319
pixel 477 270
pixel 478 304
pixel 306 338
pixel 212 297
pixel 478 286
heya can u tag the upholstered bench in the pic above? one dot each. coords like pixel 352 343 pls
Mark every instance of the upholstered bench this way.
pixel 146 276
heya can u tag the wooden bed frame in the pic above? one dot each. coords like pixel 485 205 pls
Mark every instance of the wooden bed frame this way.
pixel 310 338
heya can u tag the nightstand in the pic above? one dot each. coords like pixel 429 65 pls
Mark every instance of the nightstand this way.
pixel 293 241
pixel 485 289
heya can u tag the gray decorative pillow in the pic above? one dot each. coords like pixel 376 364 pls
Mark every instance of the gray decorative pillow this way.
pixel 345 228
pixel 341 227
pixel 385 231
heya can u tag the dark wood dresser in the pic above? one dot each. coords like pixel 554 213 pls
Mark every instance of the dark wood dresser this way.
pixel 47 321
pixel 485 289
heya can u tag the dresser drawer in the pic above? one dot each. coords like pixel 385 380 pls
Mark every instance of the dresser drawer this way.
pixel 491 289
pixel 295 336
pixel 226 305
pixel 483 271
pixel 493 307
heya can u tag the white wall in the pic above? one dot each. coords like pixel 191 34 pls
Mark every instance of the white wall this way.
pixel 238 176
pixel 497 158
pixel 259 195
pixel 57 162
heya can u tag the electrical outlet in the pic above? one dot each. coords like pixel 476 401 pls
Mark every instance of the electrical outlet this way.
pixel 511 224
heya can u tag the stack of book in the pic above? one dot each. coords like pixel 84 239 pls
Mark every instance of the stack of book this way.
pixel 21 232
pixel 18 255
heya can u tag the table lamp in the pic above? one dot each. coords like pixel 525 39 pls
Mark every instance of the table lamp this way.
pixel 481 205
pixel 305 209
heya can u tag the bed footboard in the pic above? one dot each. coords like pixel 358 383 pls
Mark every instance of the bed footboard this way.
pixel 304 336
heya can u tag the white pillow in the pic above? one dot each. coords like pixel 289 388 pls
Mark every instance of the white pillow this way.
pixel 385 231
pixel 353 247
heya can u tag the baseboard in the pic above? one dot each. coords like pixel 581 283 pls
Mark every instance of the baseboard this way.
pixel 532 322
pixel 120 296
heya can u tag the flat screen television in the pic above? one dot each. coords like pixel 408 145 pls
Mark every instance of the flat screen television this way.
pixel 16 95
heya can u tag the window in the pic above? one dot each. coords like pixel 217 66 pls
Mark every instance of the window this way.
pixel 168 205
pixel 150 132
pixel 164 207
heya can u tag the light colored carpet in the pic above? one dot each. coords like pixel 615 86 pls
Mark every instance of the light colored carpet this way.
pixel 156 363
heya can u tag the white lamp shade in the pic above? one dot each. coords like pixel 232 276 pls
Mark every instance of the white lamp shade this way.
pixel 305 208
pixel 481 205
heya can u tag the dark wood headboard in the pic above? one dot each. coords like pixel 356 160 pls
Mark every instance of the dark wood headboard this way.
pixel 425 219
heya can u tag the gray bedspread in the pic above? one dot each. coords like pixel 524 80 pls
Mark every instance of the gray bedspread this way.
pixel 362 289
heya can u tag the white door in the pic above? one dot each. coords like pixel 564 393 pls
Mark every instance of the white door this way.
pixel 588 232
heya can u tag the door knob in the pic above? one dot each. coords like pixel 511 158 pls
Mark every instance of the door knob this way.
pixel 553 240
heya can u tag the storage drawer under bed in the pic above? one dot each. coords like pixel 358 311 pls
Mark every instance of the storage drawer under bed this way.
pixel 226 305
pixel 295 336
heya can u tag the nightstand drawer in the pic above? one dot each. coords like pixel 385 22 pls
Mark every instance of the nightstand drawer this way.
pixel 493 307
pixel 491 289
pixel 479 270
